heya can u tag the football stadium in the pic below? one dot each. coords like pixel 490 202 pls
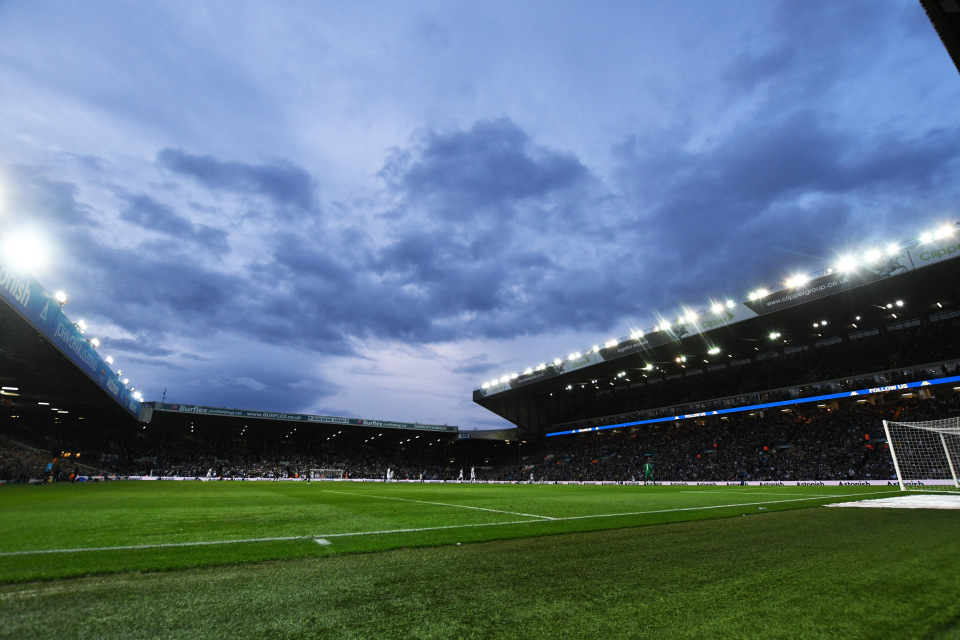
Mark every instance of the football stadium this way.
pixel 781 463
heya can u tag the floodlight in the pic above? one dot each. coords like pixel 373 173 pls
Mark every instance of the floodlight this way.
pixel 527 371
pixel 557 362
pixel 846 263
pixel 24 250
pixel 893 249
pixel 717 308
pixel 108 359
pixel 81 325
pixel 872 256
pixel 485 385
pixel 596 348
pixel 797 280
pixel 95 342
pixel 899 303
pixel 573 356
pixel 649 367
pixel 944 232
pixel 731 304
pixel 774 335
pixel 714 351
pixel 611 343
pixel 926 237
pixel 61 298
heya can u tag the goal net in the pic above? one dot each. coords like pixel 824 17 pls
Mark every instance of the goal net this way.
pixel 926 455
pixel 326 474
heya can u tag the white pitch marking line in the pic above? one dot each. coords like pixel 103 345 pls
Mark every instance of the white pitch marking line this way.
pixel 440 504
pixel 420 529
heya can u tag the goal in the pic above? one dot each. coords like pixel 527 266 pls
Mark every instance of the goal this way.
pixel 326 474
pixel 926 455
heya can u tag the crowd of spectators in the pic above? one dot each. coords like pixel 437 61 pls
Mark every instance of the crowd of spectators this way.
pixel 805 444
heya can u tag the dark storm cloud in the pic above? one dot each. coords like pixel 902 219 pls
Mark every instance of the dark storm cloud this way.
pixel 729 205
pixel 284 183
pixel 806 49
pixel 155 216
pixel 32 194
pixel 493 164
pixel 476 366
pixel 436 277
pixel 253 387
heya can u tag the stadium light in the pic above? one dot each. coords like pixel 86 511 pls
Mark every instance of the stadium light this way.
pixel 95 342
pixel 774 335
pixel 596 348
pixel 611 343
pixel 797 280
pixel 944 231
pixel 926 237
pixel 717 308
pixel 636 335
pixel 61 298
pixel 893 249
pixel 557 362
pixel 731 304
pixel 713 351
pixel 573 356
pixel 108 359
pixel 872 256
pixel 846 263
pixel 81 325
pixel 664 326
pixel 24 250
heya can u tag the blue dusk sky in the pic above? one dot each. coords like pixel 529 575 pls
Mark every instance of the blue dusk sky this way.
pixel 368 209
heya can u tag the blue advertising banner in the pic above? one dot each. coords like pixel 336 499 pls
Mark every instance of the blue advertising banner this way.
pixel 21 291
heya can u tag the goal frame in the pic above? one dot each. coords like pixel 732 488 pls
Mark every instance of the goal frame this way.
pixel 326 473
pixel 949 452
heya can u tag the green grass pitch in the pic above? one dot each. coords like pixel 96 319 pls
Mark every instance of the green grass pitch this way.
pixel 375 560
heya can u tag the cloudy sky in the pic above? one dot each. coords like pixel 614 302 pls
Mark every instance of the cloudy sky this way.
pixel 368 209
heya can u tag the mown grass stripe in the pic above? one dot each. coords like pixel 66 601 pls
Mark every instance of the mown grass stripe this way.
pixel 416 529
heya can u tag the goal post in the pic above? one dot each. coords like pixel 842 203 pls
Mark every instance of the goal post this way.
pixel 925 454
pixel 326 474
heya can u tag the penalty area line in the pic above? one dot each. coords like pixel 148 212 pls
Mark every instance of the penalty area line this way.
pixel 327 536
